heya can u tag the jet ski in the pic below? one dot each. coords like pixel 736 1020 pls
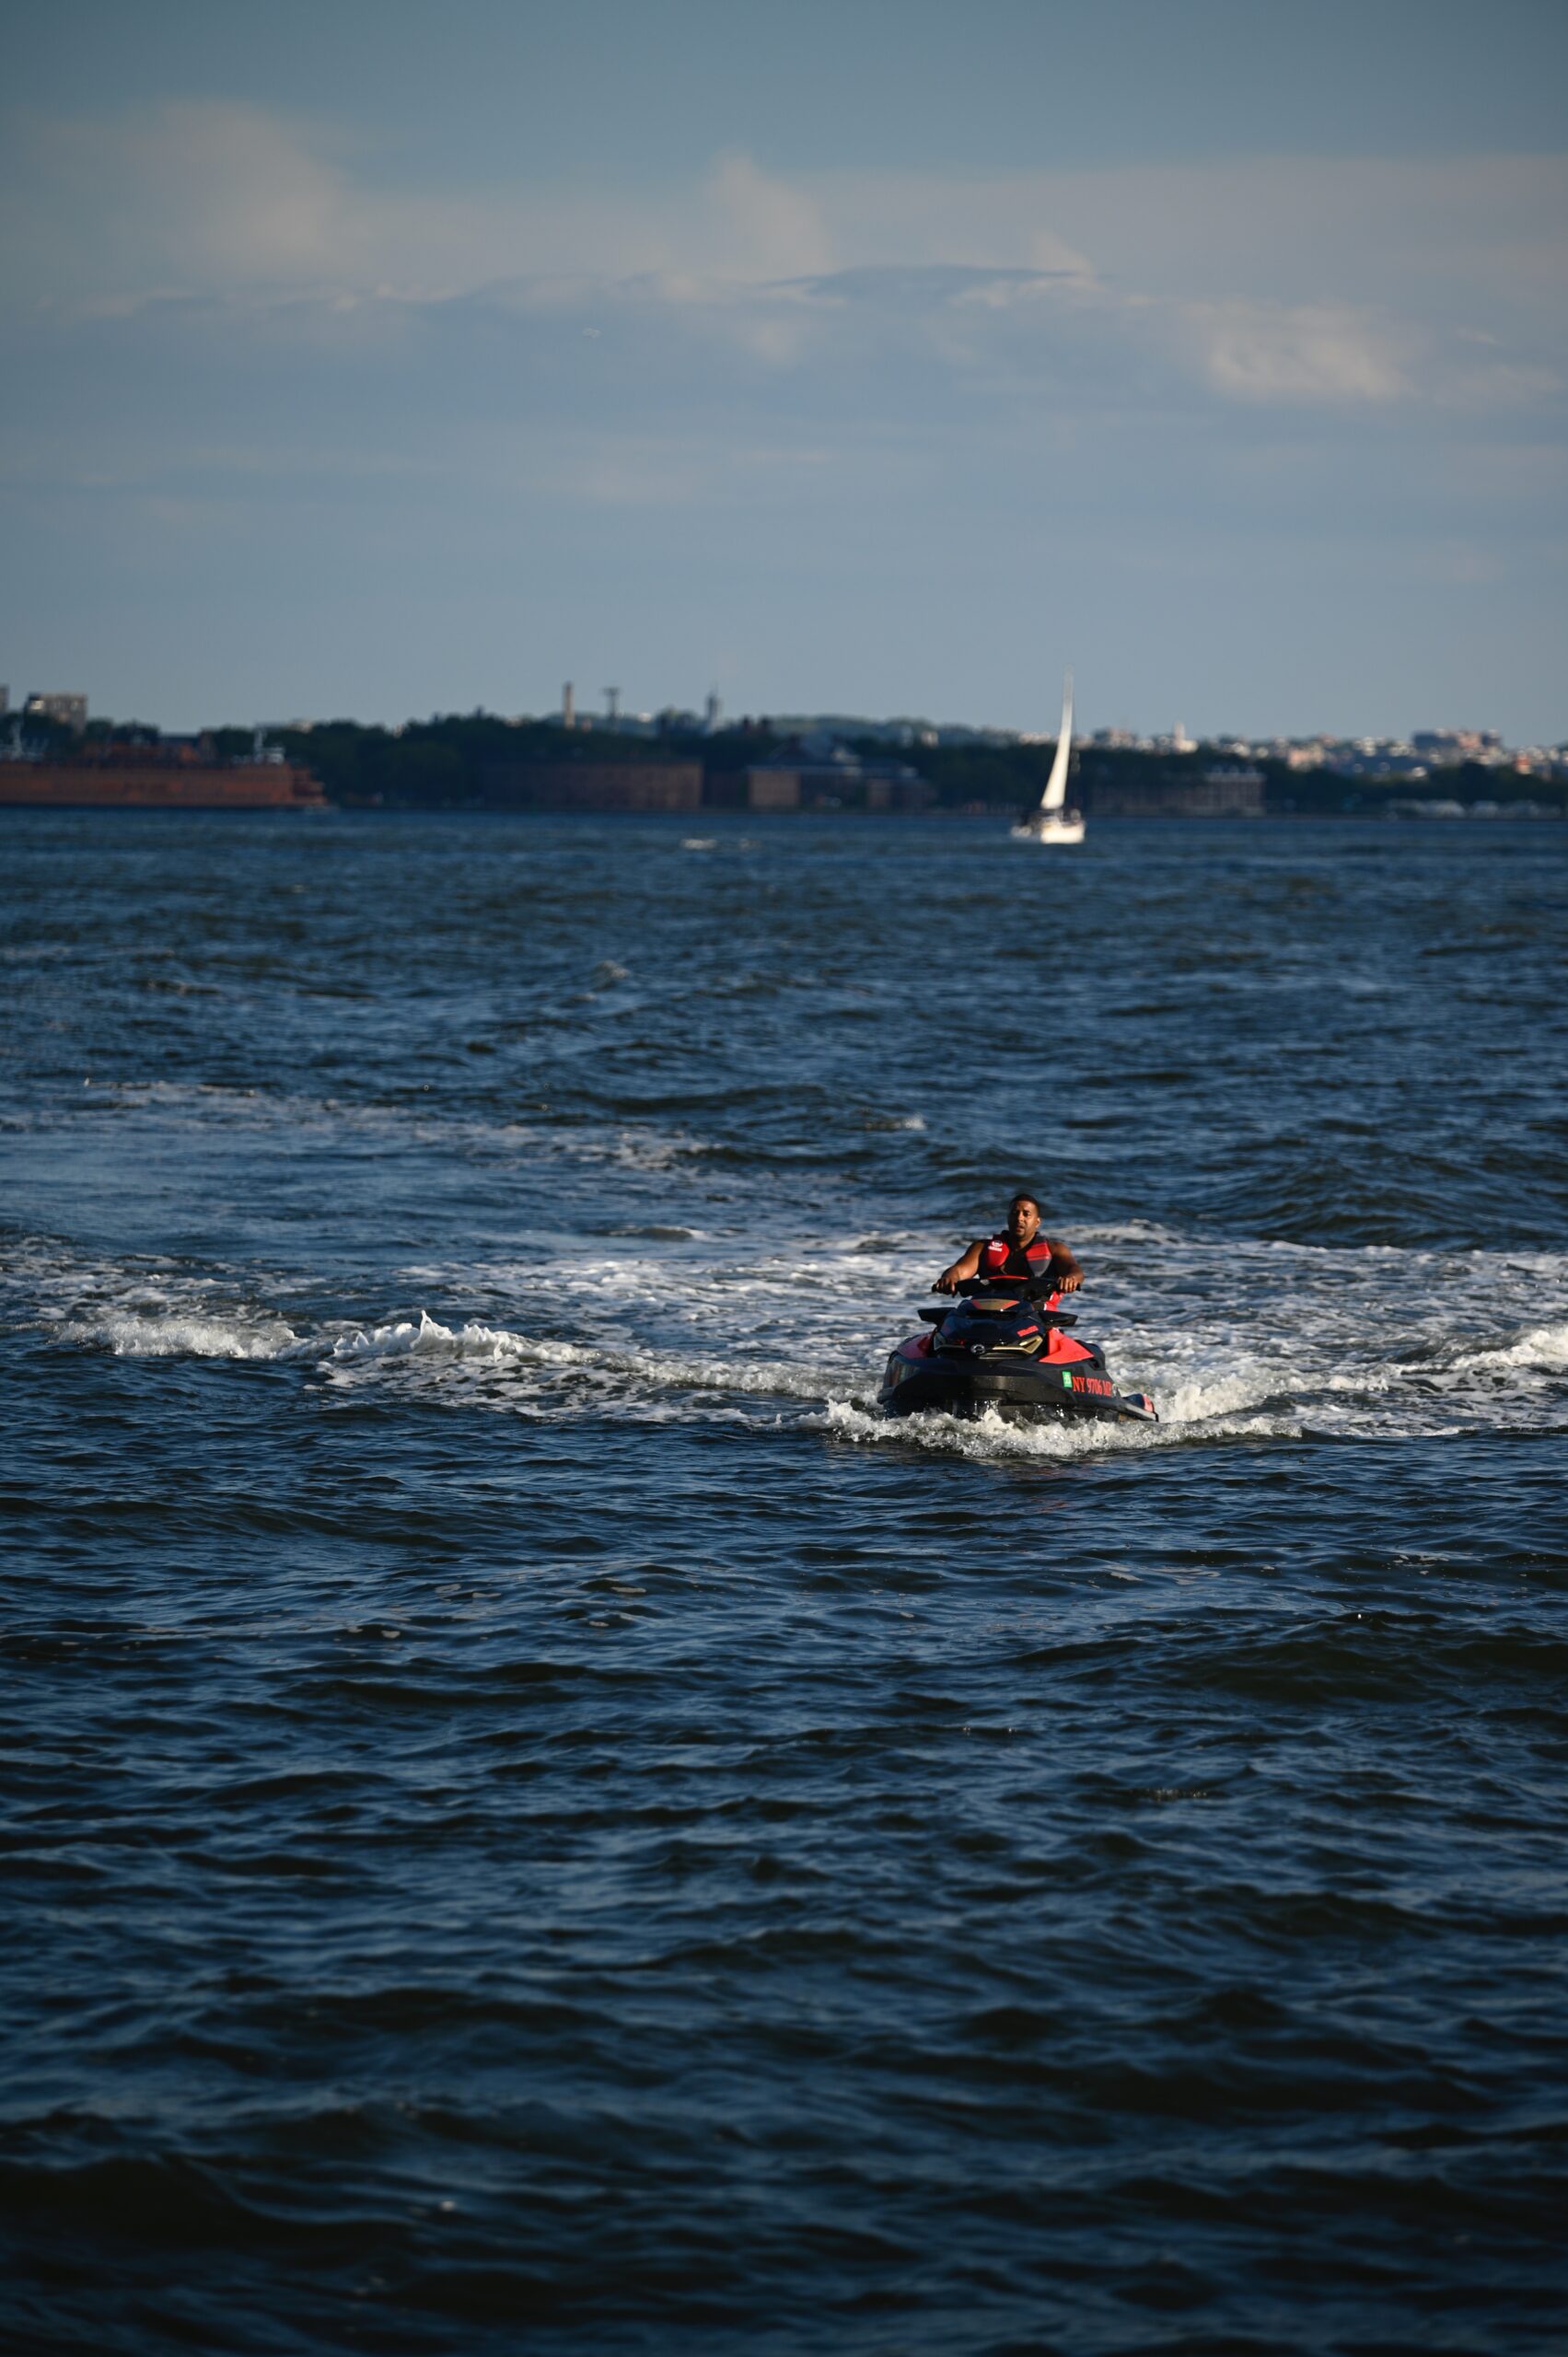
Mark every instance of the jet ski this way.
pixel 1003 1347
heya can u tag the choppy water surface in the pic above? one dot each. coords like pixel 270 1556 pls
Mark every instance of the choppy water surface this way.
pixel 533 1819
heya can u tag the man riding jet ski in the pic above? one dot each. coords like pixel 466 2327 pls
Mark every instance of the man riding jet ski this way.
pixel 1004 1347
pixel 1020 1250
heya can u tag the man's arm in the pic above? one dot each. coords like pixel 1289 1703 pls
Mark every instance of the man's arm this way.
pixel 966 1265
pixel 1064 1275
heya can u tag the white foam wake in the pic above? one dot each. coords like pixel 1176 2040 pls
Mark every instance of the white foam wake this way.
pixel 1234 1340
pixel 424 1340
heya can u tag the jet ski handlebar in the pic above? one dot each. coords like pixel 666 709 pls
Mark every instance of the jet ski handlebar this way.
pixel 1015 1288
pixel 1035 1289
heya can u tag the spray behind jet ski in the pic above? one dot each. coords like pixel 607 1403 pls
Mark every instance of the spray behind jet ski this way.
pixel 1004 1348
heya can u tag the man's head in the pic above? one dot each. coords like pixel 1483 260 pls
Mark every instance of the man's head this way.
pixel 1023 1217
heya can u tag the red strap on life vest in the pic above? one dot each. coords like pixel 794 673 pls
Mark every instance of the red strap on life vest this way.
pixel 993 1257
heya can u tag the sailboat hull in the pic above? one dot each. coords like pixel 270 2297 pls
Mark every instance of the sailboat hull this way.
pixel 1069 829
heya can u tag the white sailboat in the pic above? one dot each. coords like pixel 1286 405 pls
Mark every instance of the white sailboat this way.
pixel 1053 822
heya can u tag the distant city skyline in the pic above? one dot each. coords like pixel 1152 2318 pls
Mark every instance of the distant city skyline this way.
pixel 1318 748
pixel 387 360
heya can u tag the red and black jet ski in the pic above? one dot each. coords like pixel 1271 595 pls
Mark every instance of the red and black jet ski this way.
pixel 1003 1348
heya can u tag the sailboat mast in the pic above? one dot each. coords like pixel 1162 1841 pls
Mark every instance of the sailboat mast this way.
pixel 1055 792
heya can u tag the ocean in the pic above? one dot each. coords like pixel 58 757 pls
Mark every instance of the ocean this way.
pixel 534 1819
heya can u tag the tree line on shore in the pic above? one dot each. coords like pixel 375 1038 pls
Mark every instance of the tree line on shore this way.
pixel 448 761
pixel 445 761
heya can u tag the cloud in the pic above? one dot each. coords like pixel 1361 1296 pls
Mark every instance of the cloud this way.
pixel 779 230
pixel 216 192
pixel 1266 353
pixel 220 196
pixel 1259 283
pixel 1056 332
pixel 210 194
pixel 222 297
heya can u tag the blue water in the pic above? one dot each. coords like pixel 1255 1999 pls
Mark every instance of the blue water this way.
pixel 533 1820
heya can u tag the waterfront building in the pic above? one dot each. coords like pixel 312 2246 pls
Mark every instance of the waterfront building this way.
pixel 595 786
pixel 70 711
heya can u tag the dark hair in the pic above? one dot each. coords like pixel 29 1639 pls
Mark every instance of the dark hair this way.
pixel 1025 1195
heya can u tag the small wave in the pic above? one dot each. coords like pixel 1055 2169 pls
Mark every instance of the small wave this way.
pixel 176 1333
pixel 425 1339
pixel 405 1338
pixel 1542 1348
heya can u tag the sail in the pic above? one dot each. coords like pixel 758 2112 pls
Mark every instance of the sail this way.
pixel 1055 792
pixel 1050 821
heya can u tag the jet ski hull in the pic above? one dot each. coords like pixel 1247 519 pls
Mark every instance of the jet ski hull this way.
pixel 1004 1350
pixel 1020 1395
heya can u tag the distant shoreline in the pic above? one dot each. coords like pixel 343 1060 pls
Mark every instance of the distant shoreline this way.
pixel 478 761
pixel 998 814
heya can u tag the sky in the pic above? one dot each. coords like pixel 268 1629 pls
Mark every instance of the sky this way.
pixel 885 356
